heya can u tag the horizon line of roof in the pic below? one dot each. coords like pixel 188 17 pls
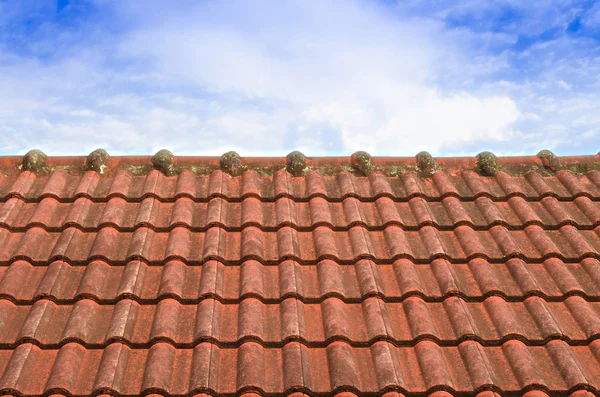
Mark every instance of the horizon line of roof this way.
pixel 296 163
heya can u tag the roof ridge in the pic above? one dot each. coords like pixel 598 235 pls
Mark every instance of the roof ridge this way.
pixel 297 164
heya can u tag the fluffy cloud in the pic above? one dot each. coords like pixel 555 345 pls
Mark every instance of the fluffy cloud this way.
pixel 260 77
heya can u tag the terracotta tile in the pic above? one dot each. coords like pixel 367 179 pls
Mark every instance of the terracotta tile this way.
pixel 329 283
pixel 492 321
pixel 415 213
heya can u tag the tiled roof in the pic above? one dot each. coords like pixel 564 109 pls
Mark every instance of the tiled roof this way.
pixel 349 276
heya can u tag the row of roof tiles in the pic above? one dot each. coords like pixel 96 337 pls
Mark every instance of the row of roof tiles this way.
pixel 106 283
pixel 423 245
pixel 465 184
pixel 491 322
pixel 381 367
pixel 484 393
pixel 450 212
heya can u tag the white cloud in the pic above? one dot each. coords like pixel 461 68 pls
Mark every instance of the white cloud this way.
pixel 263 77
pixel 422 121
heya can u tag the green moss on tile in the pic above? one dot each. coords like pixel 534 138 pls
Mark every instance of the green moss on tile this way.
pixel 96 161
pixel 34 161
pixel 487 163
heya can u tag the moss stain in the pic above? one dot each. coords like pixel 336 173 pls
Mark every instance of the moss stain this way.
pixel 578 169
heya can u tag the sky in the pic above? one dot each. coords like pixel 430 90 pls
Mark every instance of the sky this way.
pixel 326 77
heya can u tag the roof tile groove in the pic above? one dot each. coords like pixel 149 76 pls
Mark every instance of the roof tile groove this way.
pixel 346 277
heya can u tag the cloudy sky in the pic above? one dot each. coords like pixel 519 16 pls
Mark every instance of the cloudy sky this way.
pixel 327 77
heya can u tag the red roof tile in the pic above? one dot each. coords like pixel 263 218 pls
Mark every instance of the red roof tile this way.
pixel 397 277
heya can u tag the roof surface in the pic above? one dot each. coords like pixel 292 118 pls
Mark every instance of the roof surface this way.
pixel 178 276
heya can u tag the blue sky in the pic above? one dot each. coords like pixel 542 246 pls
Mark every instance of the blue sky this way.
pixel 327 77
